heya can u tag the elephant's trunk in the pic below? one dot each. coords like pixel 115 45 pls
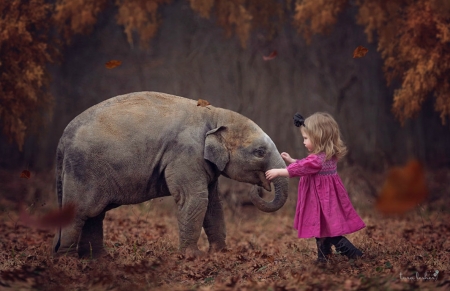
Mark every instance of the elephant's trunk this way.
pixel 281 194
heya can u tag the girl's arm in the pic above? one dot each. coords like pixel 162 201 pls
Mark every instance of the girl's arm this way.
pixel 270 174
pixel 307 166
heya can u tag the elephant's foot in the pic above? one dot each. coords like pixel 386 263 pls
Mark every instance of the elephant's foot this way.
pixel 70 251
pixel 217 247
pixel 193 252
pixel 92 251
pixel 99 253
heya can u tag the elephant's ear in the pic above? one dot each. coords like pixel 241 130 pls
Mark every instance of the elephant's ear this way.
pixel 215 150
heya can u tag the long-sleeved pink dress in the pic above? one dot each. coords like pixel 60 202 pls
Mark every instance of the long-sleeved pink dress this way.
pixel 323 207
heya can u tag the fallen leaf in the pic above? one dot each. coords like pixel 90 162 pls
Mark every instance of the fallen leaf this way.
pixel 271 56
pixel 232 280
pixel 112 64
pixel 202 103
pixel 360 52
pixel 54 219
pixel 403 189
pixel 25 174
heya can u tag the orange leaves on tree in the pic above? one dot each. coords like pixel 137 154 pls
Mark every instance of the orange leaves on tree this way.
pixel 26 49
pixel 242 16
pixel 203 7
pixel 403 189
pixel 112 64
pixel 140 16
pixel 203 103
pixel 413 39
pixel 360 52
pixel 77 16
pixel 271 56
pixel 235 15
pixel 25 174
pixel 54 219
pixel 312 16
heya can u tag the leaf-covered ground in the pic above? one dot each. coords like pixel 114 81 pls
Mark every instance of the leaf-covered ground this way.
pixel 402 253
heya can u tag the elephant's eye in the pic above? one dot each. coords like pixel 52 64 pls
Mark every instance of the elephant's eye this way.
pixel 259 153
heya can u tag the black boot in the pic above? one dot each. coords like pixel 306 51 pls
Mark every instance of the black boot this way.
pixel 345 247
pixel 323 249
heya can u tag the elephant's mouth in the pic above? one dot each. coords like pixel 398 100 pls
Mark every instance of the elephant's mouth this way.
pixel 263 181
pixel 259 179
pixel 225 175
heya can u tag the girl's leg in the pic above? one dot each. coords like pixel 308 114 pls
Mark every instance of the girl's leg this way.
pixel 345 247
pixel 323 249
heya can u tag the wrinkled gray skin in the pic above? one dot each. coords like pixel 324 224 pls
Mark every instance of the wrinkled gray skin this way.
pixel 141 146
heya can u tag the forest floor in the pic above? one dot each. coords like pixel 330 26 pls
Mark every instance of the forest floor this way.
pixel 403 252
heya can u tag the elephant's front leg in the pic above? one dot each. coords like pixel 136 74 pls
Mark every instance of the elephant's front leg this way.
pixel 189 188
pixel 191 213
pixel 214 223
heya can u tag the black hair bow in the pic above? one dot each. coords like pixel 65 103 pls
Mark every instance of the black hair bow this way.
pixel 298 120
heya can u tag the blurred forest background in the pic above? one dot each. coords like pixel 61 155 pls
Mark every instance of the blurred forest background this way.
pixel 392 104
pixel 265 59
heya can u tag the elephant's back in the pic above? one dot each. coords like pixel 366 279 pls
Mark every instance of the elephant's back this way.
pixel 123 116
pixel 135 129
pixel 126 133
pixel 145 99
pixel 151 104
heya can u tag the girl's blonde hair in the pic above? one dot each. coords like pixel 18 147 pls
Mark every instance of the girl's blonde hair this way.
pixel 323 131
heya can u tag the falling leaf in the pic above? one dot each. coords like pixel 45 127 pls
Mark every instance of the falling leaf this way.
pixel 203 103
pixel 360 52
pixel 25 174
pixel 271 56
pixel 54 219
pixel 112 64
pixel 403 189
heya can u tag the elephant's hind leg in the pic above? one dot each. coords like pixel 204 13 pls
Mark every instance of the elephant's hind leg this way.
pixel 91 241
pixel 67 242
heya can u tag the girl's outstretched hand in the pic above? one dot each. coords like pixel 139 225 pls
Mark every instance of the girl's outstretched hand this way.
pixel 270 174
pixel 287 158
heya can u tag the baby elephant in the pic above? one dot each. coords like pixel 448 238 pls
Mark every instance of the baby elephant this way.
pixel 145 145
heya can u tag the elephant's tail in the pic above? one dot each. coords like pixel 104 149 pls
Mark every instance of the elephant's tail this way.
pixel 59 190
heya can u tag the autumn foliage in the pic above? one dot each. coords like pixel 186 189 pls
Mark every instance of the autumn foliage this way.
pixel 263 253
pixel 413 39
pixel 25 50
pixel 241 17
pixel 76 16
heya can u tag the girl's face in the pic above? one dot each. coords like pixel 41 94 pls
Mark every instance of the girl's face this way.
pixel 307 142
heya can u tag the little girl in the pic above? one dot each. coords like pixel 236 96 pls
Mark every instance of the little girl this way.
pixel 324 210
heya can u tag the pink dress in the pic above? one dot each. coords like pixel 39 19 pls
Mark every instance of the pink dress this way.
pixel 323 206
